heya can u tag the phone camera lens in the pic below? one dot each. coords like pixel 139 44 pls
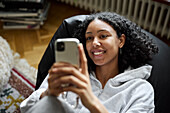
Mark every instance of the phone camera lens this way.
pixel 60 46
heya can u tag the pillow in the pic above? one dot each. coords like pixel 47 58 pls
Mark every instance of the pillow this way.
pixel 14 92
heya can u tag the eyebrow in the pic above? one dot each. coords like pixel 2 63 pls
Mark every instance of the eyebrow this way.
pixel 97 31
pixel 101 30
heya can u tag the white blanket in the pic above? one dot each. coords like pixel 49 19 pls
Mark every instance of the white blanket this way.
pixel 10 59
pixel 6 62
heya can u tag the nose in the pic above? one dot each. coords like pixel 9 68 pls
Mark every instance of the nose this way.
pixel 96 42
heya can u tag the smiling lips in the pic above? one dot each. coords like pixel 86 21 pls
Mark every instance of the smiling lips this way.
pixel 98 53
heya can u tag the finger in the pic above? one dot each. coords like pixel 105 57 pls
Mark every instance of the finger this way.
pixel 55 88
pixel 53 75
pixel 61 64
pixel 53 70
pixel 83 60
pixel 80 92
pixel 72 89
pixel 55 92
pixel 71 80
pixel 54 84
pixel 65 71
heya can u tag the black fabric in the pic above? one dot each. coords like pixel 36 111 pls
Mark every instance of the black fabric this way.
pixel 160 76
pixel 65 30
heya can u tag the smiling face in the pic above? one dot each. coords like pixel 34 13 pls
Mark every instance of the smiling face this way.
pixel 102 43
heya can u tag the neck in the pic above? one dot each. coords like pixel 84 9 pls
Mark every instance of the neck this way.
pixel 104 73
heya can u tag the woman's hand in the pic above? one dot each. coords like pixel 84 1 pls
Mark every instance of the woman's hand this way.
pixel 78 80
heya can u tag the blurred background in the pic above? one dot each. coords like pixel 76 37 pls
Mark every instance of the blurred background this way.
pixel 29 26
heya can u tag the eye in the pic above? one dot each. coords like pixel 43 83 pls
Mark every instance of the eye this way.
pixel 103 36
pixel 89 38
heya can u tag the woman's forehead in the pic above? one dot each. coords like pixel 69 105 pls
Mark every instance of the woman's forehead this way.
pixel 99 25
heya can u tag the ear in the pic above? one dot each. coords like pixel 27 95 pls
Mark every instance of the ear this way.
pixel 122 40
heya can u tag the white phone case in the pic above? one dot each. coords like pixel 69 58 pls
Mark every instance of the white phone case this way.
pixel 70 53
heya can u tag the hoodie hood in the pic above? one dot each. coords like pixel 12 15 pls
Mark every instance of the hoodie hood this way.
pixel 142 72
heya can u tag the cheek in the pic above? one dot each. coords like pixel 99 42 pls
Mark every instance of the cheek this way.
pixel 88 47
pixel 112 45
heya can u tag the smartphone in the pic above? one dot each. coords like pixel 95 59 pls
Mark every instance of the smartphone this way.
pixel 66 50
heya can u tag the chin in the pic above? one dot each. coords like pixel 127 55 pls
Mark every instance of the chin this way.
pixel 99 63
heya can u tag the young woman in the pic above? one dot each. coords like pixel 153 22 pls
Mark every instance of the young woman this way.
pixel 113 71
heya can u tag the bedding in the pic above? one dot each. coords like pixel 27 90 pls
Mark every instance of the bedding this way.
pixel 17 79
pixel 14 92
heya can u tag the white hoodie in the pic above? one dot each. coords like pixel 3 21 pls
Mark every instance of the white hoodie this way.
pixel 128 92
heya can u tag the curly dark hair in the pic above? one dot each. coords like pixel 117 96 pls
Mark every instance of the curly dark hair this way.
pixel 138 48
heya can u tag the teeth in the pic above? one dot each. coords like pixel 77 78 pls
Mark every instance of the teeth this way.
pixel 97 53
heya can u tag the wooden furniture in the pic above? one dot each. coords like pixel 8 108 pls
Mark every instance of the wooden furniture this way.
pixel 31 44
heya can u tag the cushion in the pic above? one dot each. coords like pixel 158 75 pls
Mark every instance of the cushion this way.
pixel 14 92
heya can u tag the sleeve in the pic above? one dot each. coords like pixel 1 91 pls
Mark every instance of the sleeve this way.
pixel 142 99
pixel 34 97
